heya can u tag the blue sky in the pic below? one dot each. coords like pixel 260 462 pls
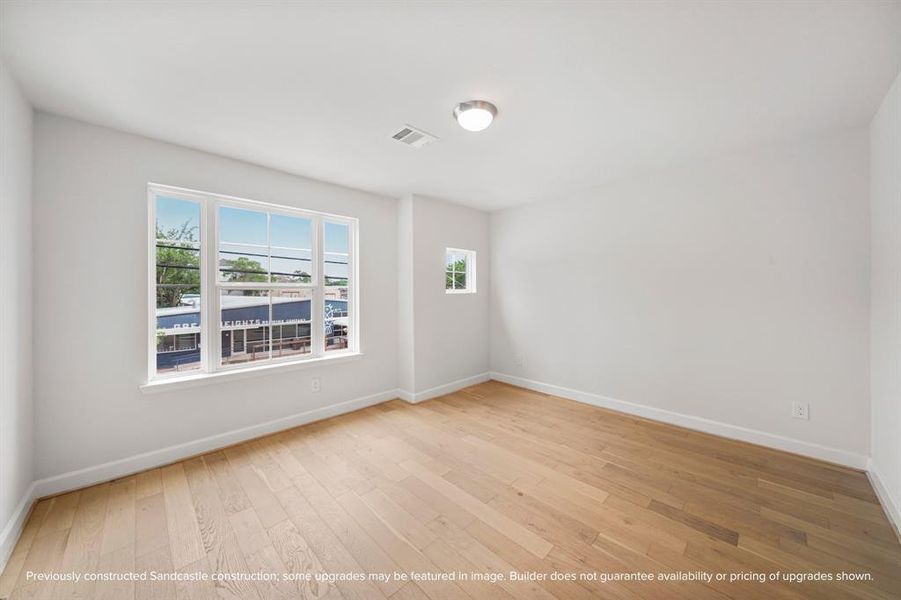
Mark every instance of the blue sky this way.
pixel 172 213
pixel 249 227
pixel 335 238
pixel 238 227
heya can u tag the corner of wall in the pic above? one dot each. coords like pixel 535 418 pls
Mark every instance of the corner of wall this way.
pixel 406 367
pixel 16 312
pixel 890 505
pixel 885 295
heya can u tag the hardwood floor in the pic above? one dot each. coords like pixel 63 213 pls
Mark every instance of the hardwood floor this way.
pixel 488 480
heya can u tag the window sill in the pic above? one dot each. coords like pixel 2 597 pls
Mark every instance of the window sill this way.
pixel 171 384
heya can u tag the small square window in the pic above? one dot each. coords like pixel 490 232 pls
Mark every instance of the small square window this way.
pixel 460 271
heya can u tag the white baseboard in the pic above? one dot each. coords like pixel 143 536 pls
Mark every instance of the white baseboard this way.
pixel 148 460
pixel 890 505
pixel 834 455
pixel 447 388
pixel 155 458
pixel 13 529
pixel 122 467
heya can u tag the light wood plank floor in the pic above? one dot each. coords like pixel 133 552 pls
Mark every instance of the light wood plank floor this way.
pixel 491 479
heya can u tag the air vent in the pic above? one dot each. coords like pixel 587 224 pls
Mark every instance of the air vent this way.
pixel 410 136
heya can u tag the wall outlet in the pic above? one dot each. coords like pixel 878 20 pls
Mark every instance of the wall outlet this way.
pixel 518 361
pixel 315 385
pixel 801 410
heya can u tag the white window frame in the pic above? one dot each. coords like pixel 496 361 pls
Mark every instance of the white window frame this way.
pixel 211 287
pixel 470 257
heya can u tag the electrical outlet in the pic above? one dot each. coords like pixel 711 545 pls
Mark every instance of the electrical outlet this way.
pixel 518 361
pixel 801 410
pixel 315 384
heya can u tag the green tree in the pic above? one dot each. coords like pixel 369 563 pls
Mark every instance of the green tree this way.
pixel 244 269
pixel 301 275
pixel 455 275
pixel 177 264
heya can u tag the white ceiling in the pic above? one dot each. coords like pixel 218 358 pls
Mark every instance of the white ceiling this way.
pixel 587 91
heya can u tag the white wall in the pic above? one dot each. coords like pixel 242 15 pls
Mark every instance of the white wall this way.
pixel 90 287
pixel 406 370
pixel 447 342
pixel 885 297
pixel 722 290
pixel 16 414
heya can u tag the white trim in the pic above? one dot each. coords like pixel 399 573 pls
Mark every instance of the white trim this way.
pixel 282 208
pixel 196 379
pixel 13 528
pixel 447 388
pixel 211 287
pixel 890 505
pixel 317 302
pixel 155 458
pixel 353 287
pixel 208 262
pixel 210 297
pixel 753 436
pixel 151 282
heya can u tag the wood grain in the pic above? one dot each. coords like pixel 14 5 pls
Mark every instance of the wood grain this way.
pixel 489 480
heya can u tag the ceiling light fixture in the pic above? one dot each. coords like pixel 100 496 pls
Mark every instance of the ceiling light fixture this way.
pixel 475 115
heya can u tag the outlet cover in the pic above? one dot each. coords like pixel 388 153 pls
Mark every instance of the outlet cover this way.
pixel 315 384
pixel 801 410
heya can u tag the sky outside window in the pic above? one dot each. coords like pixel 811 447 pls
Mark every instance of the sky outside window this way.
pixel 336 250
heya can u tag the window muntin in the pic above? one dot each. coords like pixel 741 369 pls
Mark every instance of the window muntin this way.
pixel 460 271
pixel 281 283
pixel 264 247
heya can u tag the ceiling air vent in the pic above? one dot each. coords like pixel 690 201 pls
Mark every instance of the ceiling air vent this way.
pixel 410 136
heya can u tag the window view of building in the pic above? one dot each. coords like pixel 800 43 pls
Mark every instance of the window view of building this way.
pixel 270 297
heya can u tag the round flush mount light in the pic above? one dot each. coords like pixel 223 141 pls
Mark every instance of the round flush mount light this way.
pixel 475 115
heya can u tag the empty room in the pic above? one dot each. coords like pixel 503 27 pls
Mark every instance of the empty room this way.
pixel 450 299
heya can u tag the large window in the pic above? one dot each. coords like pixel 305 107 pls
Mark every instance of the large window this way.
pixel 237 283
